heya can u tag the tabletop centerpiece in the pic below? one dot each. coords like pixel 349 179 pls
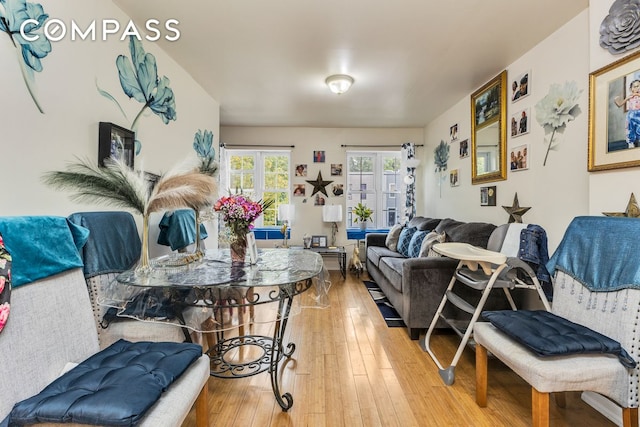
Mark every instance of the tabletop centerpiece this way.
pixel 238 213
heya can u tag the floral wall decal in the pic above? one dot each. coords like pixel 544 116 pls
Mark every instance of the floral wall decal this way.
pixel 620 29
pixel 556 109
pixel 203 145
pixel 13 13
pixel 139 80
pixel 441 154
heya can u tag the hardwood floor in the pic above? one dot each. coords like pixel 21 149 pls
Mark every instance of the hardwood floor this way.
pixel 349 369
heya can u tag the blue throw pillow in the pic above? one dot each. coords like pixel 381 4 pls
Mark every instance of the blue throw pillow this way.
pixel 547 334
pixel 416 243
pixel 405 239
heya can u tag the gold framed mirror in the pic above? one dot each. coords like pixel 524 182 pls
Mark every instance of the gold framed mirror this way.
pixel 489 131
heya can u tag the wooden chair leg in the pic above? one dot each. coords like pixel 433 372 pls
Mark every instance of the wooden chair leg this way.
pixel 202 407
pixel 481 376
pixel 561 399
pixel 539 408
pixel 629 417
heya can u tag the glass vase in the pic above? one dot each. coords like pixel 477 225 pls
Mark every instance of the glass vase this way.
pixel 199 249
pixel 238 247
pixel 144 267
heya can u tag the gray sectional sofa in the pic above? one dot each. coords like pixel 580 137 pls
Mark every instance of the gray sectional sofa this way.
pixel 415 285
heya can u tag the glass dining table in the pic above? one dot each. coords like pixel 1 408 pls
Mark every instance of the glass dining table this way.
pixel 214 283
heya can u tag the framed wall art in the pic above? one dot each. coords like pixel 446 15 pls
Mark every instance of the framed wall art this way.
pixel 519 158
pixel 614 115
pixel 116 142
pixel 520 86
pixel 519 124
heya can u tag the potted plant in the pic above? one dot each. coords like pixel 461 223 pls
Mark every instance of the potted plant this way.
pixel 363 214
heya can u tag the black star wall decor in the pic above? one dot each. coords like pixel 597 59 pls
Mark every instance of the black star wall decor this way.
pixel 319 185
pixel 515 211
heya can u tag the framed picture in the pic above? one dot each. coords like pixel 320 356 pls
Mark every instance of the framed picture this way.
pixel 252 248
pixel 338 189
pixel 453 132
pixel 318 241
pixel 614 115
pixel 116 142
pixel 488 196
pixel 464 148
pixel 318 157
pixel 298 190
pixel 519 158
pixel 520 86
pixel 519 124
pixel 454 178
pixel 301 170
pixel 336 169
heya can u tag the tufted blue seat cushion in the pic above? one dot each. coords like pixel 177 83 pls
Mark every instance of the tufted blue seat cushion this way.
pixel 547 334
pixel 113 387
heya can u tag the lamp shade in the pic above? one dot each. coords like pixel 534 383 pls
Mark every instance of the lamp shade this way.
pixel 339 83
pixel 286 212
pixel 332 213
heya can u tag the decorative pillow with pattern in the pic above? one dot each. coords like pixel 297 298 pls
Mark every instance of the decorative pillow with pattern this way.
pixel 431 239
pixel 416 243
pixel 392 238
pixel 5 284
pixel 404 240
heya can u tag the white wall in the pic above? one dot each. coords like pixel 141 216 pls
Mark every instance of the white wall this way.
pixel 34 143
pixel 556 192
pixel 306 140
pixel 609 191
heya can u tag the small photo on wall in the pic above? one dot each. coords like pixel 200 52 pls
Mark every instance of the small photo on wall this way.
pixel 519 157
pixel 299 190
pixel 318 156
pixel 301 170
pixel 454 177
pixel 464 148
pixel 453 132
pixel 520 123
pixel 488 196
pixel 336 169
pixel 319 200
pixel 338 189
pixel 521 86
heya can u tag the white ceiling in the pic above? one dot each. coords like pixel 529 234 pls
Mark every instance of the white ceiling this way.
pixel 265 61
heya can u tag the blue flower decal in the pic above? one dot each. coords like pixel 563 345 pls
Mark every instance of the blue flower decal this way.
pixel 33 47
pixel 203 144
pixel 139 80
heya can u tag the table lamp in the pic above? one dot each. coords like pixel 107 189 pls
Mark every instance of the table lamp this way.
pixel 332 214
pixel 286 214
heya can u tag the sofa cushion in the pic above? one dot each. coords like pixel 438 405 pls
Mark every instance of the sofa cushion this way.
pixel 416 243
pixel 430 239
pixel 376 253
pixel 391 241
pixel 391 267
pixel 113 387
pixel 473 233
pixel 422 223
pixel 405 239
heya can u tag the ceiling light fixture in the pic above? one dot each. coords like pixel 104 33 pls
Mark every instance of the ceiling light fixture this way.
pixel 339 83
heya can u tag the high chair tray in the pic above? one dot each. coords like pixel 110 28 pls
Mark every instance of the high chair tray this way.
pixel 467 252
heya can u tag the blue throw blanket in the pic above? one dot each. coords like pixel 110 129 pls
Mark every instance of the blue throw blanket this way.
pixel 600 252
pixel 114 244
pixel 41 246
pixel 177 229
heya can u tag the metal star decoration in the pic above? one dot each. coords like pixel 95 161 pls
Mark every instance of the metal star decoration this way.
pixel 319 185
pixel 515 211
pixel 632 211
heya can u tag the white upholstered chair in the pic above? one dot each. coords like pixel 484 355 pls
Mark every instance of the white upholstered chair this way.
pixel 597 285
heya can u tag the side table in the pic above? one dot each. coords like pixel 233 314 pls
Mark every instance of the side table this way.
pixel 336 252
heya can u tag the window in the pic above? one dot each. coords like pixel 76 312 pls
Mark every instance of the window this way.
pixel 262 175
pixel 374 179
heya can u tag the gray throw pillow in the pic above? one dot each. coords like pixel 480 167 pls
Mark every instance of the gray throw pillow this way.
pixel 392 238
pixel 429 240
